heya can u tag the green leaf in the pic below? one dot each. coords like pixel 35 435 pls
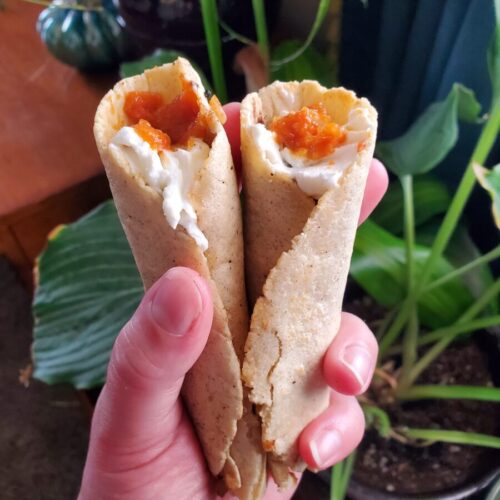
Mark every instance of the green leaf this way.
pixel 259 14
pixel 460 251
pixel 321 13
pixel 378 266
pixel 88 288
pixel 427 142
pixel 494 56
pixel 157 58
pixel 456 437
pixel 468 107
pixel 214 45
pixel 311 65
pixel 340 476
pixel 490 180
pixel 431 197
pixel 468 392
pixel 377 418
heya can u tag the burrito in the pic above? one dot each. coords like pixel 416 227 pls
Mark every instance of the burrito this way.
pixel 169 165
pixel 306 152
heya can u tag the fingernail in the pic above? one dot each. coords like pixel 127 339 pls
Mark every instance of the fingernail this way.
pixel 325 446
pixel 177 303
pixel 358 360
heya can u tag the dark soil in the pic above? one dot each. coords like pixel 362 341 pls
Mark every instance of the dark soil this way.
pixel 391 466
pixel 43 431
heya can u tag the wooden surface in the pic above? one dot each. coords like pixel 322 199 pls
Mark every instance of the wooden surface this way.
pixel 47 148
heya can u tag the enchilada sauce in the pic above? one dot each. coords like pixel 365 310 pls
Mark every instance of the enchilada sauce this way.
pixel 165 125
pixel 309 132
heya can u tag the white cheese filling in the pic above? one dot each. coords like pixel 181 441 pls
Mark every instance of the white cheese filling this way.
pixel 170 173
pixel 314 177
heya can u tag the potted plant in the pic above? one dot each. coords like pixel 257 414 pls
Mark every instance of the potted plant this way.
pixel 432 410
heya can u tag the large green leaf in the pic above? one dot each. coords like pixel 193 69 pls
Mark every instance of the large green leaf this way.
pixel 88 288
pixel 430 198
pixel 378 266
pixel 157 58
pixel 427 142
pixel 310 65
pixel 490 180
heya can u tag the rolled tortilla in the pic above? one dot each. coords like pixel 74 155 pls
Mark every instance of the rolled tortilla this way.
pixel 197 185
pixel 300 219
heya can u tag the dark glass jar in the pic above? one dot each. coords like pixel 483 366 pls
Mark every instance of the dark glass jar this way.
pixel 178 25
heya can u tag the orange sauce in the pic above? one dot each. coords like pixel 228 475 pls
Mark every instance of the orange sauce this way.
pixel 157 139
pixel 309 132
pixel 163 124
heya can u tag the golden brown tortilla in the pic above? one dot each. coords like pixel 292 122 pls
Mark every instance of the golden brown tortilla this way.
pixel 297 256
pixel 212 389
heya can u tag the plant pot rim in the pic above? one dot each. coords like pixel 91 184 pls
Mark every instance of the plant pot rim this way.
pixel 358 491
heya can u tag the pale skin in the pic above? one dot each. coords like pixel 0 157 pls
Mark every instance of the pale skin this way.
pixel 142 443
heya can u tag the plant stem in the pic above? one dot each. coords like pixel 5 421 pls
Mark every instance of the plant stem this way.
pixel 479 155
pixel 455 329
pixel 318 21
pixel 483 259
pixel 450 392
pixel 259 13
pixel 442 344
pixel 410 338
pixel 212 35
pixel 457 437
pixel 409 228
pixel 481 302
pixel 386 321
pixel 409 348
pixel 336 481
pixel 346 473
pixel 396 327
pixel 234 34
pixel 378 418
pixel 481 151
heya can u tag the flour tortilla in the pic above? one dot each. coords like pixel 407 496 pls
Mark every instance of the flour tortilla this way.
pixel 212 389
pixel 297 257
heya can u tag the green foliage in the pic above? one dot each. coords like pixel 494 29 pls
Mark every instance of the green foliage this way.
pixel 431 198
pixel 432 136
pixel 212 36
pixel 89 287
pixel 341 474
pixel 259 14
pixel 309 65
pixel 460 251
pixel 467 392
pixel 157 58
pixel 321 13
pixel 456 437
pixel 490 180
pixel 379 266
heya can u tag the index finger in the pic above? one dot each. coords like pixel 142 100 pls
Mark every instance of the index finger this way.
pixel 232 127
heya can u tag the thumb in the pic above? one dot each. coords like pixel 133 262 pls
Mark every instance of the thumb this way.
pixel 138 407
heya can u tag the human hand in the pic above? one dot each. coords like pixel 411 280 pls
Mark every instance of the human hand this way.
pixel 142 443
